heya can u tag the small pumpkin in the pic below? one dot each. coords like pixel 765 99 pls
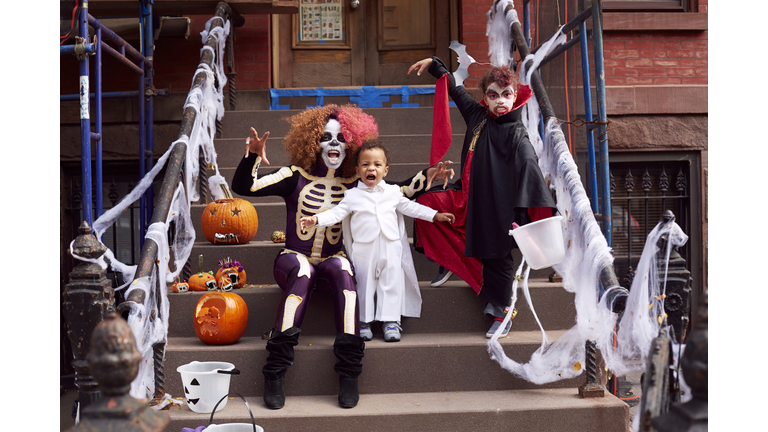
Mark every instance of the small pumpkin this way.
pixel 229 221
pixel 278 237
pixel 234 270
pixel 202 282
pixel 180 287
pixel 220 318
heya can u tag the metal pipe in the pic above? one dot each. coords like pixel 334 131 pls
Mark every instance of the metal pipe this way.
pixel 111 95
pixel 142 162
pixel 527 21
pixel 112 36
pixel 122 59
pixel 85 124
pixel 561 49
pixel 580 18
pixel 149 100
pixel 605 181
pixel 88 48
pixel 100 141
pixel 592 169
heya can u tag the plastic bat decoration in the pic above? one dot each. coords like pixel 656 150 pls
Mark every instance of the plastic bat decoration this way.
pixel 464 61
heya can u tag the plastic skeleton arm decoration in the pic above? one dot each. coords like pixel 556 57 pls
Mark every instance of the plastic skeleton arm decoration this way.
pixel 464 61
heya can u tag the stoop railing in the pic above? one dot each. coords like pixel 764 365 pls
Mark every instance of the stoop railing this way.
pixel 146 303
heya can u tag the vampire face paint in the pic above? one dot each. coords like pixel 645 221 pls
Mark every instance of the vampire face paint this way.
pixel 332 145
pixel 499 100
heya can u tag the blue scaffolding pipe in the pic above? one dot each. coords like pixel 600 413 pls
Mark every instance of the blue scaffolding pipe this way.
pixel 85 123
pixel 527 21
pixel 88 48
pixel 86 136
pixel 148 52
pixel 602 116
pixel 99 141
pixel 111 95
pixel 592 174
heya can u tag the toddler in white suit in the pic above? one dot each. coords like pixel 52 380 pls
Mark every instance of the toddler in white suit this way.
pixel 378 245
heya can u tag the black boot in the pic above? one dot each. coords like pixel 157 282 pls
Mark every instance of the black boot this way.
pixel 349 350
pixel 280 347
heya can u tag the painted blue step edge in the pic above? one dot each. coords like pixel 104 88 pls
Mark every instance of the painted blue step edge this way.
pixel 364 97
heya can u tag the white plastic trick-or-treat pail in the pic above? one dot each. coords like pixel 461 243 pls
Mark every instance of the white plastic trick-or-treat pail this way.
pixel 234 427
pixel 541 242
pixel 205 383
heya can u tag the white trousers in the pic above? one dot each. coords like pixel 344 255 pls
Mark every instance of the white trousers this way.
pixel 380 279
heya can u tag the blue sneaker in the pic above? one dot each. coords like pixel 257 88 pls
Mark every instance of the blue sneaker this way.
pixel 365 331
pixel 391 331
pixel 495 326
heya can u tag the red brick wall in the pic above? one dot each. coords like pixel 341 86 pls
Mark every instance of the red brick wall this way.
pixel 655 57
pixel 176 60
pixel 631 58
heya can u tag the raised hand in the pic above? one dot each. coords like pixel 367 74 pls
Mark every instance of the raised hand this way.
pixel 440 171
pixel 257 145
pixel 420 66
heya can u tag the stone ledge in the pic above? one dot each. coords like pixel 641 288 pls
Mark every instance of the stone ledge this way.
pixel 634 21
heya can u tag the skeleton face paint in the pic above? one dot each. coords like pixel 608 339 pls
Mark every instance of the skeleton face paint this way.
pixel 499 100
pixel 333 144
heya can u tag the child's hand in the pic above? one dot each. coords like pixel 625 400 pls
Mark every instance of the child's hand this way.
pixel 445 217
pixel 307 222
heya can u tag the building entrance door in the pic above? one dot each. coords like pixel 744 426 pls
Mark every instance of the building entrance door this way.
pixel 331 44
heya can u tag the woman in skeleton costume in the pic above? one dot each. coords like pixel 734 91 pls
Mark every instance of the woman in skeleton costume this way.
pixel 322 144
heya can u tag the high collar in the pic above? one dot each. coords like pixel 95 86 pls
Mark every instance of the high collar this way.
pixel 378 188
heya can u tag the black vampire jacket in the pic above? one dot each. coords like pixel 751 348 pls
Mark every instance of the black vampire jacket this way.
pixel 505 179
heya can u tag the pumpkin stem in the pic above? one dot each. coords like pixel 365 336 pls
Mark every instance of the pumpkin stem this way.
pixel 200 263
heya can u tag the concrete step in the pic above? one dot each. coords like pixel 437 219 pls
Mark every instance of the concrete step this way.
pixel 257 256
pixel 451 308
pixel 402 148
pixel 391 121
pixel 438 362
pixel 540 410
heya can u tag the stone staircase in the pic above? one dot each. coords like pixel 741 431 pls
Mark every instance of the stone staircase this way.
pixel 439 377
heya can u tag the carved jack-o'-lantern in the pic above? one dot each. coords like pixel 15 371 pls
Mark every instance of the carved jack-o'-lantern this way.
pixel 202 282
pixel 225 284
pixel 220 318
pixel 180 287
pixel 232 269
pixel 229 221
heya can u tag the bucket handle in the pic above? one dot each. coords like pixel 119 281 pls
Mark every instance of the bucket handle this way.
pixel 229 372
pixel 253 421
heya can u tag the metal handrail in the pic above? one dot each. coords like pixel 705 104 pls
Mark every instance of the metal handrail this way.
pixel 173 169
pixel 608 276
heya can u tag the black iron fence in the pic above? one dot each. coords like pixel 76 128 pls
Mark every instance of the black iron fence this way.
pixel 640 193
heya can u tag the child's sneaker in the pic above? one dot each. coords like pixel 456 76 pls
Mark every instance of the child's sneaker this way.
pixel 391 331
pixel 442 277
pixel 495 326
pixel 365 331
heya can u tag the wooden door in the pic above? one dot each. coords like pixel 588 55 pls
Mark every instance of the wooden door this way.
pixel 379 40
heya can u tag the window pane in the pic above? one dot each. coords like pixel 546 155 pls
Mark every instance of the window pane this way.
pixel 320 20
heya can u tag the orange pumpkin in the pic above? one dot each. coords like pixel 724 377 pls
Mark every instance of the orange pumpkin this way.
pixel 220 318
pixel 233 270
pixel 180 287
pixel 203 281
pixel 229 221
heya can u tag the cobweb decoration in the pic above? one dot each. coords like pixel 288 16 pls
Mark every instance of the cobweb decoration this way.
pixel 464 60
pixel 498 32
pixel 587 253
pixel 207 101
